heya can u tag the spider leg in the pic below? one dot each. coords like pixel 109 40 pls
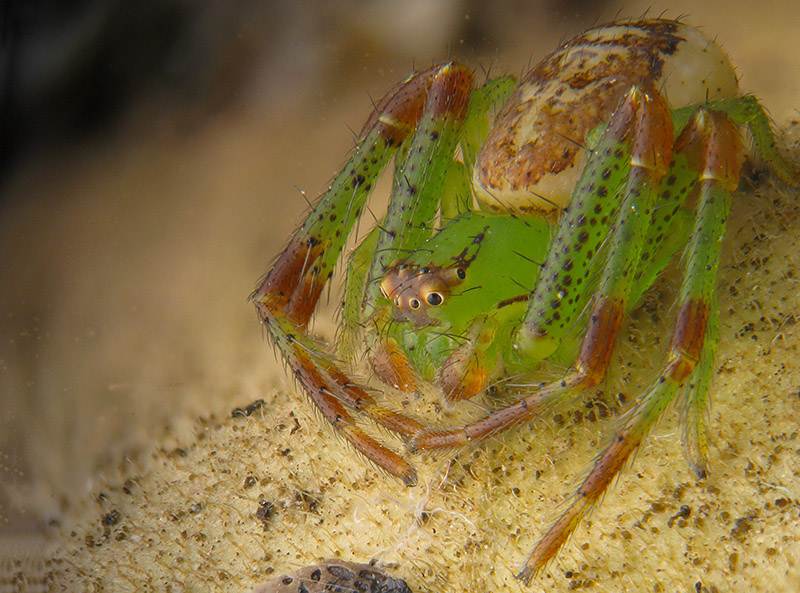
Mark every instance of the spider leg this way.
pixel 288 295
pixel 711 143
pixel 465 372
pixel 746 110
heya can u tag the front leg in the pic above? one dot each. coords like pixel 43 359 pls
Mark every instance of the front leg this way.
pixel 288 295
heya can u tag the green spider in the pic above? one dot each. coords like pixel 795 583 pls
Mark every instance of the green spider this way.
pixel 504 247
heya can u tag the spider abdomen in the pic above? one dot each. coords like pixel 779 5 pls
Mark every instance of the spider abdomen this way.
pixel 533 155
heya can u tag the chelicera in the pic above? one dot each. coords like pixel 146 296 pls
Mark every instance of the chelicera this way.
pixel 509 245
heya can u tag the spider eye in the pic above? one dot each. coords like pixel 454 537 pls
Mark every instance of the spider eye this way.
pixel 461 273
pixel 434 299
pixel 414 304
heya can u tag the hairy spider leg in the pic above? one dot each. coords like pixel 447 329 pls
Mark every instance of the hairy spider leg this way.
pixel 419 177
pixel 286 298
pixel 746 110
pixel 418 181
pixel 457 193
pixel 712 145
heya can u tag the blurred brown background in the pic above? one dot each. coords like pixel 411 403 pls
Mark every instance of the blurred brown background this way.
pixel 154 156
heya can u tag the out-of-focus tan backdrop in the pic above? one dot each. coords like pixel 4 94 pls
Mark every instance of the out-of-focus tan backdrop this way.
pixel 128 248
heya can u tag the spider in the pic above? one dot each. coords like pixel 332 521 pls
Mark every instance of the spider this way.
pixel 527 241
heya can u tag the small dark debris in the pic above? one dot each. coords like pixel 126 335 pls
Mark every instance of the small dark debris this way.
pixel 248 410
pixel 264 512
pixel 307 500
pixel 111 518
pixel 741 527
pixel 195 508
pixel 684 513
pixel 250 481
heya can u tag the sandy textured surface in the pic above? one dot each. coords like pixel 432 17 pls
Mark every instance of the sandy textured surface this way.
pixel 127 342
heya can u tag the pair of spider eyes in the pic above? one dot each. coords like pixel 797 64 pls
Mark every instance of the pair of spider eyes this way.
pixel 434 299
